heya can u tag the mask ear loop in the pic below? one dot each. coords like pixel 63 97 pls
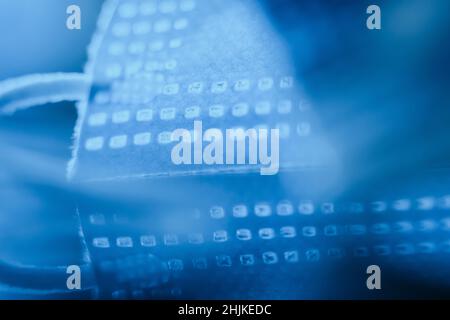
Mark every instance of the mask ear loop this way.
pixel 23 93
pixel 38 89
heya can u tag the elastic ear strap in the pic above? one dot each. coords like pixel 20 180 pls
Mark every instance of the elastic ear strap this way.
pixel 38 89
pixel 22 93
pixel 51 279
